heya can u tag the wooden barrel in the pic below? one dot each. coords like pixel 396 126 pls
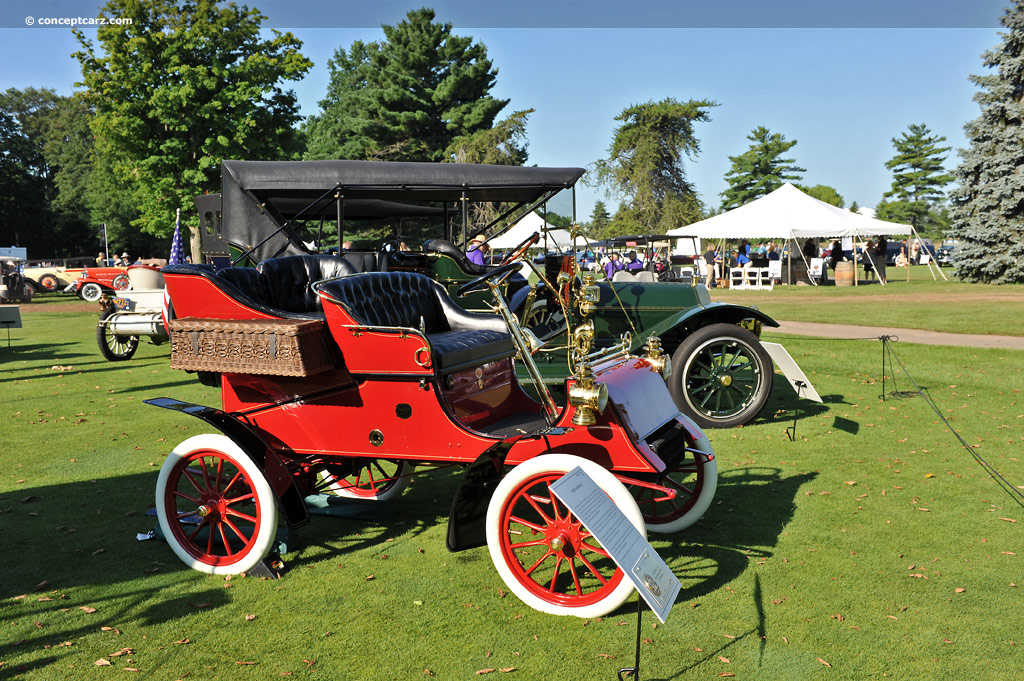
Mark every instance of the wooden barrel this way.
pixel 845 273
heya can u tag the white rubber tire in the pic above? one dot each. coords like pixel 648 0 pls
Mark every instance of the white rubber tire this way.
pixel 510 486
pixel 266 526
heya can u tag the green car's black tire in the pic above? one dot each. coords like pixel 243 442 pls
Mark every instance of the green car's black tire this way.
pixel 721 376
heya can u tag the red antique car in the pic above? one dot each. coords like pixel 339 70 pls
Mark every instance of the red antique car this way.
pixel 94 281
pixel 344 382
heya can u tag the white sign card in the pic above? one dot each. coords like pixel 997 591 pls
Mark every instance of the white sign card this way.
pixel 624 543
pixel 847 243
pixel 775 269
pixel 794 374
pixel 816 266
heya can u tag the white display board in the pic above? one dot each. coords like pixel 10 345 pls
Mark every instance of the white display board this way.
pixel 792 371
pixel 624 543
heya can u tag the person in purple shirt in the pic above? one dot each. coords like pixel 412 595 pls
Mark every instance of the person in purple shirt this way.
pixel 633 265
pixel 613 265
pixel 476 253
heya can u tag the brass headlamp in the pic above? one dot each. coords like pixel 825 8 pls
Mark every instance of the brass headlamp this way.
pixel 657 358
pixel 587 396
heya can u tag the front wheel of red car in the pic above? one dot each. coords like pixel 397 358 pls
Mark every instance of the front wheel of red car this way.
pixel 721 376
pixel 216 509
pixel 90 292
pixel 543 552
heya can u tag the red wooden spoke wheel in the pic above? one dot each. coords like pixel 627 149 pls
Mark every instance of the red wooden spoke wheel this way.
pixel 216 509
pixel 542 551
pixel 373 479
pixel 694 481
pixel 122 282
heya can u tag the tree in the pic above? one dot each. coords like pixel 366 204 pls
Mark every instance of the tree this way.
pixel 42 167
pixel 186 85
pixel 599 220
pixel 407 98
pixel 854 207
pixel 645 165
pixel 987 209
pixel 759 170
pixel 917 179
pixel 504 144
pixel 825 193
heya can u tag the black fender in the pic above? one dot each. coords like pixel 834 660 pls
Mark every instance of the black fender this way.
pixel 468 518
pixel 289 499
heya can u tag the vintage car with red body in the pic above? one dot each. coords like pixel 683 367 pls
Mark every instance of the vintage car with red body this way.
pixel 348 382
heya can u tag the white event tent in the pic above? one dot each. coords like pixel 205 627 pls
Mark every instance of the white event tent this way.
pixel 788 213
pixel 530 223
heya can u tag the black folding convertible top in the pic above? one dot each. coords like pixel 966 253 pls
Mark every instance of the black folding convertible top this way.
pixel 259 196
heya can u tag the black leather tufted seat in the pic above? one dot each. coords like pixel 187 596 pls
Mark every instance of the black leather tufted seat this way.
pixel 280 286
pixel 459 339
pixel 455 253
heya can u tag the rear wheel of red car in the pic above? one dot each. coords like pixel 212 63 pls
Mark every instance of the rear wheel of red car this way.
pixel 543 552
pixel 49 282
pixel 694 480
pixel 721 376
pixel 114 348
pixel 371 479
pixel 216 509
pixel 122 282
pixel 90 292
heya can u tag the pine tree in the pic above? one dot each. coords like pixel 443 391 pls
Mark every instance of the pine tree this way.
pixel 407 98
pixel 645 165
pixel 988 204
pixel 759 170
pixel 918 178
pixel 599 220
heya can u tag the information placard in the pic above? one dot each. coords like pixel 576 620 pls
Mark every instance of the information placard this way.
pixel 624 543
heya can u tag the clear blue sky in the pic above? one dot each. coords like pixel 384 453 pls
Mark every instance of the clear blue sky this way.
pixel 843 93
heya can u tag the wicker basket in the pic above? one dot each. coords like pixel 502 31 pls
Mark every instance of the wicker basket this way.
pixel 277 347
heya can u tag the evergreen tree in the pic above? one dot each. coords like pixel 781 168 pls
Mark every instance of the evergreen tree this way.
pixel 918 179
pixel 759 170
pixel 854 207
pixel 407 98
pixel 504 144
pixel 988 203
pixel 645 165
pixel 599 220
pixel 186 85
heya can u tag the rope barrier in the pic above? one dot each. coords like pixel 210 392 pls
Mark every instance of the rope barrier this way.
pixel 887 350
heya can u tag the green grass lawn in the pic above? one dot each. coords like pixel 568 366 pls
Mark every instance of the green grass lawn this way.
pixel 921 303
pixel 874 546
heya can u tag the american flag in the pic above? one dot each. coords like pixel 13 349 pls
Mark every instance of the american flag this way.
pixel 177 250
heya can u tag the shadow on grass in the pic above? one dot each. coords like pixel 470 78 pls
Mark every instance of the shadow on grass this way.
pixel 752 507
pixel 50 352
pixel 74 545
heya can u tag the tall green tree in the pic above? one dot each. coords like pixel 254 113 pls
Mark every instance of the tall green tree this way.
pixel 505 144
pixel 599 220
pixel 987 211
pixel 406 98
pixel 761 169
pixel 186 85
pixel 645 166
pixel 918 178
pixel 42 167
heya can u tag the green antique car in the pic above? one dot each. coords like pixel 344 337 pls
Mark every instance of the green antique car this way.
pixel 721 375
